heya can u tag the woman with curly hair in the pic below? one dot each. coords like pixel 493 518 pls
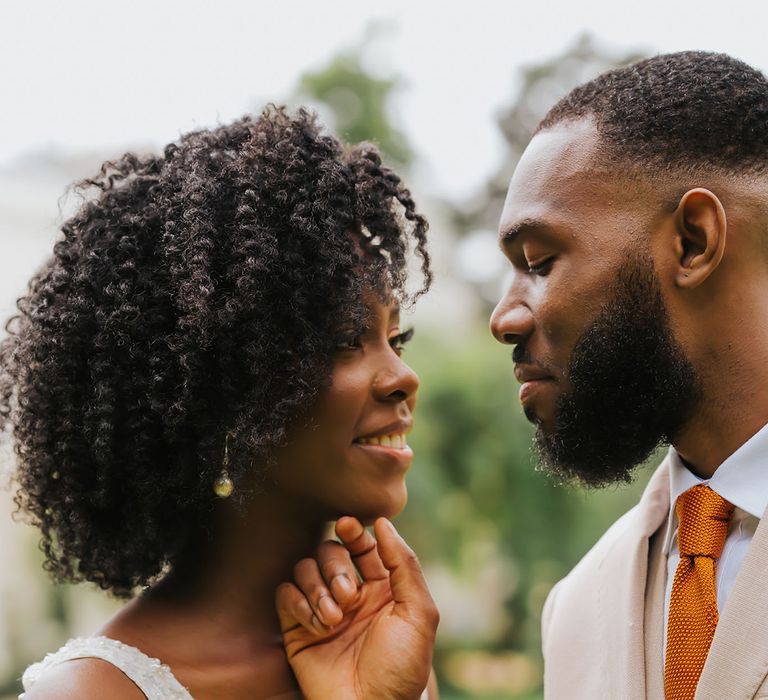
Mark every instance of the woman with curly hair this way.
pixel 204 373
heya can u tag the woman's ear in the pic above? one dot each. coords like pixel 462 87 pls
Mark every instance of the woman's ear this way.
pixel 701 229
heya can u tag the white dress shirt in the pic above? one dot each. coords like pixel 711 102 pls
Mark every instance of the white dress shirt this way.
pixel 741 480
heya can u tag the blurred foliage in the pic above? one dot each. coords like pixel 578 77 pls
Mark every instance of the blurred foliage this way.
pixel 481 516
pixel 541 86
pixel 360 106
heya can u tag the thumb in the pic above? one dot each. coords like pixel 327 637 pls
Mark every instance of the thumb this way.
pixel 406 579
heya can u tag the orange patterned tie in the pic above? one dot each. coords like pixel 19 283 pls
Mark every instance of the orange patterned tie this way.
pixel 703 517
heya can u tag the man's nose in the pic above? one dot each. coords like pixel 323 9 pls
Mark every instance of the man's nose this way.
pixel 511 321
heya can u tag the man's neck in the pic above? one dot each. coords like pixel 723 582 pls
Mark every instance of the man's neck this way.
pixel 734 408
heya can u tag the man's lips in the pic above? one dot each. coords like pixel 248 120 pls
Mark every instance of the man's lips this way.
pixel 532 379
pixel 530 373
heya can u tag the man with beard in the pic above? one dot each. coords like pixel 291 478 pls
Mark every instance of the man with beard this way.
pixel 636 227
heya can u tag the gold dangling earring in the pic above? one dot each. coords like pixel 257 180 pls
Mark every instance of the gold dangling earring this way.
pixel 223 486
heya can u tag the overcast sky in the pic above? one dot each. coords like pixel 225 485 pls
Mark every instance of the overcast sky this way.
pixel 88 75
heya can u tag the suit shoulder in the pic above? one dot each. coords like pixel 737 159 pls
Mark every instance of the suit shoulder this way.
pixel 608 540
pixel 588 564
pixel 83 679
pixel 623 525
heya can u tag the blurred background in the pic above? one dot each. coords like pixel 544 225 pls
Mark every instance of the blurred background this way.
pixel 450 94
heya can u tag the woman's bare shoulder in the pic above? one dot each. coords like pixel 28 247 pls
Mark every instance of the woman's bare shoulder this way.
pixel 84 679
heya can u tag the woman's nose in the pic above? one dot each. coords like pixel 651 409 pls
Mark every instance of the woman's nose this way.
pixel 397 382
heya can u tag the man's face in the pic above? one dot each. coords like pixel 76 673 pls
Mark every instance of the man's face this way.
pixel 602 375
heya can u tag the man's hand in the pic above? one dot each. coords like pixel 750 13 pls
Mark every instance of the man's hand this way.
pixel 359 640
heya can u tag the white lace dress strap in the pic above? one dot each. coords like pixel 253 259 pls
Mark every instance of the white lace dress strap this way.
pixel 153 678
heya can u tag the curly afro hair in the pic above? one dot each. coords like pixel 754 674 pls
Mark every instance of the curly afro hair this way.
pixel 194 295
pixel 678 111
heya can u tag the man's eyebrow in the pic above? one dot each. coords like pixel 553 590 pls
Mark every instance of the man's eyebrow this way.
pixel 509 233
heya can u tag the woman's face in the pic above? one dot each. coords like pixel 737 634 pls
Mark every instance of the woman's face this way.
pixel 353 456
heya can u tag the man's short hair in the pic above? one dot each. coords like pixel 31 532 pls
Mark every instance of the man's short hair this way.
pixel 679 111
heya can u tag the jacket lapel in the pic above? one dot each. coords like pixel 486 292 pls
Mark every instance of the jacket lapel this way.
pixel 623 583
pixel 653 629
pixel 737 663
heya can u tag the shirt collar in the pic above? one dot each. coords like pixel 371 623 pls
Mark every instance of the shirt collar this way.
pixel 742 479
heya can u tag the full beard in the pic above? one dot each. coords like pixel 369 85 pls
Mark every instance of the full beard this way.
pixel 632 387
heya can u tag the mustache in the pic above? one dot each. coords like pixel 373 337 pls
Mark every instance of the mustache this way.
pixel 520 356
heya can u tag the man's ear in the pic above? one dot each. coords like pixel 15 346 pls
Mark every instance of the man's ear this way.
pixel 701 229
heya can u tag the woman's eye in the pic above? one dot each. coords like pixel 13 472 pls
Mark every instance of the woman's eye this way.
pixel 542 268
pixel 397 343
pixel 348 343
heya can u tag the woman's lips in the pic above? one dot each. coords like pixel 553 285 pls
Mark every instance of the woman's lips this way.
pixel 394 440
pixel 391 448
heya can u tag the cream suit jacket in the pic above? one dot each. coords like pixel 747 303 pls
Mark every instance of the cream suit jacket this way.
pixel 602 626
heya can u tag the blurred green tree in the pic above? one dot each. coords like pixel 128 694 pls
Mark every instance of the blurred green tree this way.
pixel 496 531
pixel 541 85
pixel 358 104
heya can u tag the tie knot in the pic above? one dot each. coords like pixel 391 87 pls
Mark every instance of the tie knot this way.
pixel 703 517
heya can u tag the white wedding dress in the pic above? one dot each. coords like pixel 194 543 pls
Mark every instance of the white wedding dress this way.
pixel 152 677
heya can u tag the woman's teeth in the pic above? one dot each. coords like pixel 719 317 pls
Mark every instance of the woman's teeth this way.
pixel 396 441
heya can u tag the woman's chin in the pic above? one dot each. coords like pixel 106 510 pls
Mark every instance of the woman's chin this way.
pixel 389 508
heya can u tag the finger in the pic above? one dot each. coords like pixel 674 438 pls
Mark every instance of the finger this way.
pixel 310 582
pixel 362 547
pixel 293 609
pixel 406 579
pixel 338 572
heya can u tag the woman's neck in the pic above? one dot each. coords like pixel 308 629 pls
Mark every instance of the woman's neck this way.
pixel 223 589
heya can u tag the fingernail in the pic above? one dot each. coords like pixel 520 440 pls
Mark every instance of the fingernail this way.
pixel 342 587
pixel 327 608
pixel 319 627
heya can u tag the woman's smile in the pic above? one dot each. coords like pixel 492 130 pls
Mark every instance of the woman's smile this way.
pixel 390 435
pixel 390 446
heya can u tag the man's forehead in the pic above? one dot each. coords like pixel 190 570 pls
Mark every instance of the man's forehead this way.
pixel 556 173
pixel 555 156
pixel 563 150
